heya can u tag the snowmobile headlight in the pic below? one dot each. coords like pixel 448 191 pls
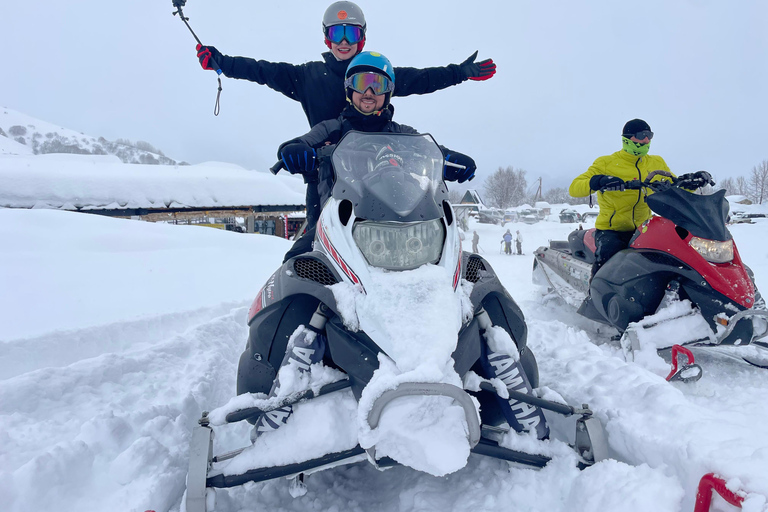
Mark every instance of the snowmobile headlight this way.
pixel 712 250
pixel 400 246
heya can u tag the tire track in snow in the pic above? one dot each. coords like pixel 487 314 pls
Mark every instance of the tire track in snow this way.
pixel 117 424
pixel 62 348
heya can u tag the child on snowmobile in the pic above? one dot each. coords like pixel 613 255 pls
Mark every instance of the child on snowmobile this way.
pixel 318 85
pixel 369 85
pixel 622 211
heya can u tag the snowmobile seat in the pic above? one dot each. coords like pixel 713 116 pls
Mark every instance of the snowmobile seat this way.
pixel 582 244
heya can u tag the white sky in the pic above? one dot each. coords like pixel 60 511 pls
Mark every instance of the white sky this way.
pixel 570 74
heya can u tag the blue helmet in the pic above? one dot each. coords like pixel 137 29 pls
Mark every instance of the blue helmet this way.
pixel 370 62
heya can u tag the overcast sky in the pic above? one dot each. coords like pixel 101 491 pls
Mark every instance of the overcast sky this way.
pixel 570 74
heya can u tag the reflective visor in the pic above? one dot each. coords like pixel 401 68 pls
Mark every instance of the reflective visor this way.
pixel 361 82
pixel 337 33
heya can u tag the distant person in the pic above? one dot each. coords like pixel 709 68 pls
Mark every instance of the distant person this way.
pixel 581 228
pixel 519 242
pixel 475 241
pixel 319 85
pixel 507 239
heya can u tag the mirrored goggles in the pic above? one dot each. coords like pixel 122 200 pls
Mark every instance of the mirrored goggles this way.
pixel 338 33
pixel 640 135
pixel 361 82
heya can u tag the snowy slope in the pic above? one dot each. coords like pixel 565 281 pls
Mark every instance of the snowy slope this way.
pixel 41 137
pixel 118 334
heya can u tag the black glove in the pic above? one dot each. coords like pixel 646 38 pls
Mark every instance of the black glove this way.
pixel 298 157
pixel 206 55
pixel 696 179
pixel 605 183
pixel 482 70
pixel 451 173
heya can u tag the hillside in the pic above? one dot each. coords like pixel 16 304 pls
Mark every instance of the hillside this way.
pixel 42 137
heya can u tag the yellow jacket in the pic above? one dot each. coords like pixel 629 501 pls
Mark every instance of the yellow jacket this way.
pixel 620 210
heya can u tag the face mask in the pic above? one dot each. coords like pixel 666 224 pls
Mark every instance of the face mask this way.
pixel 635 148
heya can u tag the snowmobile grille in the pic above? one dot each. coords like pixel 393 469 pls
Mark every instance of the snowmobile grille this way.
pixel 474 267
pixel 664 259
pixel 314 270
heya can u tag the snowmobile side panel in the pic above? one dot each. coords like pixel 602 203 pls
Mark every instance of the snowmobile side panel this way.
pixel 288 299
pixel 712 303
pixel 355 353
pixel 579 249
pixel 468 348
pixel 730 279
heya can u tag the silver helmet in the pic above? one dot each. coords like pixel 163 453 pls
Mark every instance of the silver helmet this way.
pixel 341 13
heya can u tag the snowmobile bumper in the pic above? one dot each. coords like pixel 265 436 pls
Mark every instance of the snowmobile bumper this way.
pixel 428 389
pixel 590 441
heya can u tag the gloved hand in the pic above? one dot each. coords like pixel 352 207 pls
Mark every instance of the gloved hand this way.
pixel 207 53
pixel 697 179
pixel 298 157
pixel 451 173
pixel 482 70
pixel 605 183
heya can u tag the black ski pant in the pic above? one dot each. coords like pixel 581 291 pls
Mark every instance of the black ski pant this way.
pixel 608 243
pixel 304 243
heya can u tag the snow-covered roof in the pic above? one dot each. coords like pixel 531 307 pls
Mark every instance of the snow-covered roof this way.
pixel 65 181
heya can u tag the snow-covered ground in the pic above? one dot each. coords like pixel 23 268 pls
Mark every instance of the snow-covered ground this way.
pixel 116 334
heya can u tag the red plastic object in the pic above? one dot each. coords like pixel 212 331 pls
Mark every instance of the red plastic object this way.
pixel 704 497
pixel 676 349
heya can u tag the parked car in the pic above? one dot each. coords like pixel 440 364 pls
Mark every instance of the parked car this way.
pixel 529 216
pixel 568 216
pixel 490 216
pixel 588 216
pixel 510 216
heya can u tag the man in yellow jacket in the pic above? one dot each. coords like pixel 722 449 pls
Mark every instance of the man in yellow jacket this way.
pixel 621 211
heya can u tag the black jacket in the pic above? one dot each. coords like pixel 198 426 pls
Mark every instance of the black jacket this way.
pixel 331 132
pixel 319 85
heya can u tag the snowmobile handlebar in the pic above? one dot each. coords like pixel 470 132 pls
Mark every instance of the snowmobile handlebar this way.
pixel 690 183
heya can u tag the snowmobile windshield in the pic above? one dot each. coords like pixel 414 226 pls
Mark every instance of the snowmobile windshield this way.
pixel 702 216
pixel 390 176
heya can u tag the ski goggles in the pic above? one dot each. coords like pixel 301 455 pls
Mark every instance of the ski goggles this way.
pixel 338 33
pixel 377 83
pixel 640 135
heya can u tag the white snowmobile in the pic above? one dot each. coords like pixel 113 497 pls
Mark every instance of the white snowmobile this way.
pixel 680 283
pixel 386 333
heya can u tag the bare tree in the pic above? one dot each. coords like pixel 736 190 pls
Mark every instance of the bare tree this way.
pixel 729 185
pixel 742 187
pixel 455 196
pixel 505 187
pixel 758 182
pixel 557 195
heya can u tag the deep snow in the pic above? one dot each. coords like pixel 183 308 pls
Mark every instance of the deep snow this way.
pixel 117 334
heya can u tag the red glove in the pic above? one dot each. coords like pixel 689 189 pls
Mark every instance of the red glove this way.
pixel 482 70
pixel 208 56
